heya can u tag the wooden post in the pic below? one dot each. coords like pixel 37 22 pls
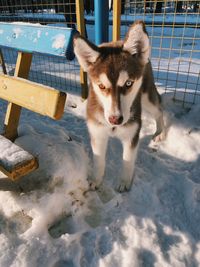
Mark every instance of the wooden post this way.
pixel 116 19
pixel 81 28
pixel 2 62
pixel 11 122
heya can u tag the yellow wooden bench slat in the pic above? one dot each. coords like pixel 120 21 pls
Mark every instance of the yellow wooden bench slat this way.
pixel 41 99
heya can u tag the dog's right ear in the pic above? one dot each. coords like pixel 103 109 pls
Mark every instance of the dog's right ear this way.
pixel 137 41
pixel 86 52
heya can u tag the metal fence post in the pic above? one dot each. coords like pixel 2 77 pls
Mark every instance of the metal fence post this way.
pixel 101 11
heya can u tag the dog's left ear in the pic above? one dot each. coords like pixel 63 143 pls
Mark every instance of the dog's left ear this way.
pixel 137 41
pixel 86 52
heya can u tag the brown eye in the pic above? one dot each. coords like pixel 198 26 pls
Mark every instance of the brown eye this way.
pixel 128 83
pixel 101 86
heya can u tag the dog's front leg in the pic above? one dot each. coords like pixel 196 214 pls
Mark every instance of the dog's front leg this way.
pixel 99 153
pixel 99 140
pixel 129 158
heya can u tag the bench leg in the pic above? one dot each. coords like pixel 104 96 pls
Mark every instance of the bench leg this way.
pixel 11 122
pixel 2 62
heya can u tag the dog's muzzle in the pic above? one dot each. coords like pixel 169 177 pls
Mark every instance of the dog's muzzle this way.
pixel 116 120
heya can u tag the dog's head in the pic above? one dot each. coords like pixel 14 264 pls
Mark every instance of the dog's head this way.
pixel 115 70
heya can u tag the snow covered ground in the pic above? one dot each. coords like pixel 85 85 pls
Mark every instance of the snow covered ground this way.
pixel 50 218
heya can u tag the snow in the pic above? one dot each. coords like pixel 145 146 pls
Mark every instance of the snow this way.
pixel 183 18
pixel 17 32
pixel 50 218
pixel 58 41
pixel 189 19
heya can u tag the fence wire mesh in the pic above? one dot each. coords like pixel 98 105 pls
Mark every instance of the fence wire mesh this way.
pixel 173 27
pixel 52 71
pixel 174 31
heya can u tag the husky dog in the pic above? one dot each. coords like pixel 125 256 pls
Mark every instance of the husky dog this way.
pixel 121 84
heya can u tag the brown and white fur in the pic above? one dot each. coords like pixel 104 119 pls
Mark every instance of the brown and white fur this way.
pixel 121 84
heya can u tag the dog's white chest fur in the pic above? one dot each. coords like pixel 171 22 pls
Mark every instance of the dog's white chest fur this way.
pixel 124 132
pixel 120 132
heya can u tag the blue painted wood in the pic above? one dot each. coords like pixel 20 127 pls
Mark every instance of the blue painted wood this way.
pixel 55 41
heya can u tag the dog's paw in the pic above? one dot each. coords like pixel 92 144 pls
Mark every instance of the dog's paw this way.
pixel 159 136
pixel 124 185
pixel 94 184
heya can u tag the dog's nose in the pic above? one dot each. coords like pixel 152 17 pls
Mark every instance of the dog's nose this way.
pixel 116 120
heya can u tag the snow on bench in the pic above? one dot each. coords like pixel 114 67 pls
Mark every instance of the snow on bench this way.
pixel 14 161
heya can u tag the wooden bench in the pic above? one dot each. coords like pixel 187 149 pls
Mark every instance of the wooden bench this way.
pixel 28 39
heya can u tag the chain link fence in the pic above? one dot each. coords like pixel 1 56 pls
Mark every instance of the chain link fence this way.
pixel 52 71
pixel 174 31
pixel 173 27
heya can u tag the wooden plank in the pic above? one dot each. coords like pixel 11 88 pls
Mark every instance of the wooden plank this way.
pixel 116 19
pixel 11 122
pixel 32 38
pixel 14 161
pixel 81 28
pixel 41 99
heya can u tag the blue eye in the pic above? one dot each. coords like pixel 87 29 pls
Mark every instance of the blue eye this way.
pixel 128 83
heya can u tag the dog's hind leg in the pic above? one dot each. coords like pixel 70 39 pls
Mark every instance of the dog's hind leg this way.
pixel 155 109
